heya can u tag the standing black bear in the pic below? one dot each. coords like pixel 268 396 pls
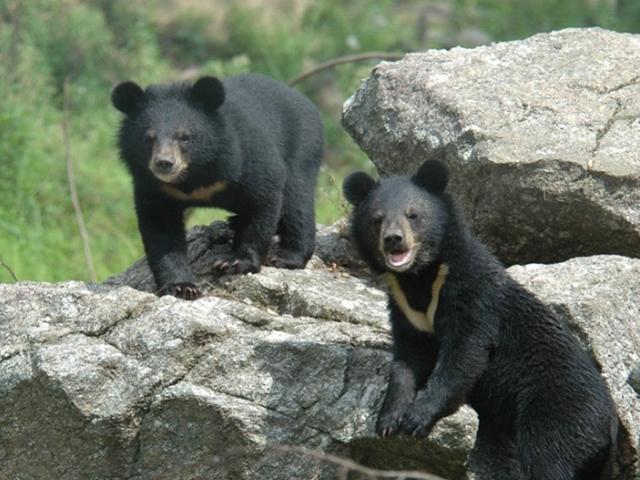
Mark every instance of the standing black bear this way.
pixel 249 145
pixel 465 331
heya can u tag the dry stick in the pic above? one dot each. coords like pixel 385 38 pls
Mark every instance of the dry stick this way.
pixel 15 17
pixel 72 185
pixel 346 59
pixel 350 465
pixel 9 270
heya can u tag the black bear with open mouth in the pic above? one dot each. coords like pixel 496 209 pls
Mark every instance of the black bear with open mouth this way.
pixel 465 332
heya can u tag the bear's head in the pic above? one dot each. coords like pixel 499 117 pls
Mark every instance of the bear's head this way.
pixel 168 130
pixel 399 222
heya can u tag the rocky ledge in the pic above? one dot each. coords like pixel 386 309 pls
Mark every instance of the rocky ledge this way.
pixel 110 382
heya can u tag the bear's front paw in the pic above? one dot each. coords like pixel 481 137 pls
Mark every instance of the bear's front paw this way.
pixel 234 264
pixel 183 290
pixel 416 423
pixel 286 259
pixel 388 424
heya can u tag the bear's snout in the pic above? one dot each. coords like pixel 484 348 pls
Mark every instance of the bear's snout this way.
pixel 167 162
pixel 164 165
pixel 397 246
pixel 393 241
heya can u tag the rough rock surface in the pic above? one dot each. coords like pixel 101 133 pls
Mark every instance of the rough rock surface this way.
pixel 109 382
pixel 333 248
pixel 542 137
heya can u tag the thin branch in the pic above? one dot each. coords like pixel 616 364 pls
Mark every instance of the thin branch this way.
pixel 346 59
pixel 15 10
pixel 9 270
pixel 350 465
pixel 72 185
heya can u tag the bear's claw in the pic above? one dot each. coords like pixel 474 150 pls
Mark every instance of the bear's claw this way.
pixel 388 426
pixel 232 264
pixel 183 290
pixel 280 261
pixel 414 425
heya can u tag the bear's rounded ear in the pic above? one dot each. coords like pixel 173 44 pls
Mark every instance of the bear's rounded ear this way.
pixel 357 186
pixel 209 92
pixel 126 97
pixel 433 176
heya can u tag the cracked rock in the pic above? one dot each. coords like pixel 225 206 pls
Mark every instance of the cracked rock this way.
pixel 109 382
pixel 541 135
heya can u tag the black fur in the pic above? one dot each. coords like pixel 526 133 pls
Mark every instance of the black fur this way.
pixel 258 136
pixel 127 97
pixel 494 345
pixel 357 186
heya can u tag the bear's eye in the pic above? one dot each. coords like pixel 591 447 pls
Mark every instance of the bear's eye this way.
pixel 411 215
pixel 184 137
pixel 150 136
pixel 377 218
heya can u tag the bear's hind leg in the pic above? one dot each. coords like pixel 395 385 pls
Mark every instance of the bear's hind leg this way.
pixel 493 455
pixel 541 462
pixel 297 226
pixel 573 442
pixel 252 235
pixel 547 451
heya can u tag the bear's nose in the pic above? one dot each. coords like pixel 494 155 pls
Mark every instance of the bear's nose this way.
pixel 392 240
pixel 163 165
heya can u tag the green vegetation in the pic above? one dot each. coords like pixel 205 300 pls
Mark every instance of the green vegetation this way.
pixel 93 44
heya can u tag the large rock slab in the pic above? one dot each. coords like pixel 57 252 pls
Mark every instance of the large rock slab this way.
pixel 110 382
pixel 542 137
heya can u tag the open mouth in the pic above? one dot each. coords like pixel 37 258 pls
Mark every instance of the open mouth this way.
pixel 400 259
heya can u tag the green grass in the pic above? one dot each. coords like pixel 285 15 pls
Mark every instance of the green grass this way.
pixel 97 43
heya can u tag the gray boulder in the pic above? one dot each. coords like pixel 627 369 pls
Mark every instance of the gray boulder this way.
pixel 542 137
pixel 109 382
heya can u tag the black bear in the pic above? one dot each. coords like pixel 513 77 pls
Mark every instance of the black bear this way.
pixel 248 144
pixel 465 332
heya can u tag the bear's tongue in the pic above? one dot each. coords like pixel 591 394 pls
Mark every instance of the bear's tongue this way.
pixel 399 257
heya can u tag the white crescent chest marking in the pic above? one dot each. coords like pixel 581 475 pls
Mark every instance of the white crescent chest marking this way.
pixel 203 193
pixel 421 320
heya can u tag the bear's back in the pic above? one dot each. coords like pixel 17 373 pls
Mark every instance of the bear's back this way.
pixel 255 103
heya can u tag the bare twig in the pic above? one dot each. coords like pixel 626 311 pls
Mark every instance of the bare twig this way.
pixel 72 185
pixel 346 59
pixel 9 270
pixel 346 464
pixel 15 10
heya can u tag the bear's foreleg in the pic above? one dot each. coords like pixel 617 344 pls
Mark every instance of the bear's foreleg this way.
pixel 297 227
pixel 414 357
pixel 163 237
pixel 460 363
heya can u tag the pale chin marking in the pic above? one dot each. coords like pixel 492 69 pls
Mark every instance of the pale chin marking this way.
pixel 174 177
pixel 165 178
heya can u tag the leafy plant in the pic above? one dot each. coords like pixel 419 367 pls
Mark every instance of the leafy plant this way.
pixel 97 43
